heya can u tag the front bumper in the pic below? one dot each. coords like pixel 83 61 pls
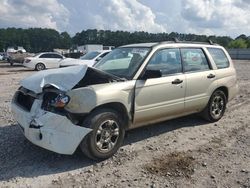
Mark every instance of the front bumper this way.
pixel 48 130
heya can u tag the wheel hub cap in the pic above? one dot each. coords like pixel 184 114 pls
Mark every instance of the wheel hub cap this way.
pixel 217 106
pixel 107 135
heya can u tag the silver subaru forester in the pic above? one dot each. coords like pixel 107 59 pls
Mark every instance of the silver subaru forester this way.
pixel 133 86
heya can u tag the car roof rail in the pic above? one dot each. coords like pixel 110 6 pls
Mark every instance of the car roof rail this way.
pixel 210 41
pixel 176 40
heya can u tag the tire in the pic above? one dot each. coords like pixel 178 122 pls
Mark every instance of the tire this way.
pixel 216 106
pixel 40 66
pixel 107 134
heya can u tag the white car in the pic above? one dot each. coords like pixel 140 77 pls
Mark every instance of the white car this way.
pixel 43 61
pixel 1 57
pixel 89 59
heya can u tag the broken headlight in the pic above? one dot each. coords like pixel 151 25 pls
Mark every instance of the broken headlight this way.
pixel 60 101
pixel 55 102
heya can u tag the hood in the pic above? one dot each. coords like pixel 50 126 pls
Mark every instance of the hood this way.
pixel 63 79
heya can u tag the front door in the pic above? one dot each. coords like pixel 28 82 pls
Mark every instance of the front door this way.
pixel 157 99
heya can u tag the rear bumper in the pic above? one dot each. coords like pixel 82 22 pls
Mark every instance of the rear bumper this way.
pixel 29 65
pixel 232 91
pixel 48 130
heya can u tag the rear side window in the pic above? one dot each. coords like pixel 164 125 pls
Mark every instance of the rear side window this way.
pixel 219 57
pixel 194 59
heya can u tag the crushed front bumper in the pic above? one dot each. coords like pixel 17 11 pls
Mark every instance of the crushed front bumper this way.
pixel 48 130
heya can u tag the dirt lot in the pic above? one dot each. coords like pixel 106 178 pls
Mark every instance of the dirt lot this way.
pixel 186 152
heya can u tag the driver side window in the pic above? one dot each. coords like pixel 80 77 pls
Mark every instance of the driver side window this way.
pixel 167 61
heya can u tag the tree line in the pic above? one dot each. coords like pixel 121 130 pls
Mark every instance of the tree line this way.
pixel 38 39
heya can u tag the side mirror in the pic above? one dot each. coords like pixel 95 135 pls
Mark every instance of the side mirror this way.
pixel 151 74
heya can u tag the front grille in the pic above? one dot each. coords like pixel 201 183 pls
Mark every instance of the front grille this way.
pixel 24 100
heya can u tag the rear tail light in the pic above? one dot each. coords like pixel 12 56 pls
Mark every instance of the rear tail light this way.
pixel 27 60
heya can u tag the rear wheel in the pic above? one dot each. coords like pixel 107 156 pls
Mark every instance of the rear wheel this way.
pixel 216 106
pixel 107 134
pixel 40 66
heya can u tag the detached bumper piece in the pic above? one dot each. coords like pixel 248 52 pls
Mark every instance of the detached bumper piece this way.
pixel 48 130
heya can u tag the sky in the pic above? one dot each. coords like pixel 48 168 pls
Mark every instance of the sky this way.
pixel 209 17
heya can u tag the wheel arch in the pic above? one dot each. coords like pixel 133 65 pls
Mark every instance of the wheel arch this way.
pixel 224 89
pixel 118 107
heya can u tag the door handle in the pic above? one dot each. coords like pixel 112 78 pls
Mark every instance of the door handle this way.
pixel 211 76
pixel 177 81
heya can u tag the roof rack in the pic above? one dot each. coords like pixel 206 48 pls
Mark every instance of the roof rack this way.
pixel 210 42
pixel 176 40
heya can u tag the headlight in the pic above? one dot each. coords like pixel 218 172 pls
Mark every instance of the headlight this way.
pixel 60 101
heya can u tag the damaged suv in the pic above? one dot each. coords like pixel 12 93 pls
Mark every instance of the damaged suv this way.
pixel 134 85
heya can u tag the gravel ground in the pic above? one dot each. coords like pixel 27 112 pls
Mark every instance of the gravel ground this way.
pixel 185 152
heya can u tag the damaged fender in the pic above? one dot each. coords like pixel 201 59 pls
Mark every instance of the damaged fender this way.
pixel 84 100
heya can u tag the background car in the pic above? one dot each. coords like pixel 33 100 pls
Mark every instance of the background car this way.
pixel 43 61
pixel 1 57
pixel 17 57
pixel 89 59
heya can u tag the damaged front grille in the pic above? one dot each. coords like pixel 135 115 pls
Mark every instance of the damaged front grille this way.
pixel 24 100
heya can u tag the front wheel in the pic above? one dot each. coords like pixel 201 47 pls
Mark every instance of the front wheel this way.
pixel 107 134
pixel 216 107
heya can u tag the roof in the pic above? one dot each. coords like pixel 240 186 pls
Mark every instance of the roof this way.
pixel 172 43
pixel 141 45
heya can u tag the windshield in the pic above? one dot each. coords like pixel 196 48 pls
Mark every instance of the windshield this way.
pixel 90 55
pixel 123 62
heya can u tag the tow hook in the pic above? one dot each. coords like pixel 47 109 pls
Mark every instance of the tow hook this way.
pixel 35 125
pixel 40 136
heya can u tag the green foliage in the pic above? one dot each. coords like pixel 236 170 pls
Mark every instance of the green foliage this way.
pixel 238 43
pixel 38 39
pixel 34 39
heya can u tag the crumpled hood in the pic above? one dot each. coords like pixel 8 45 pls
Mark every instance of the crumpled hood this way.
pixel 63 79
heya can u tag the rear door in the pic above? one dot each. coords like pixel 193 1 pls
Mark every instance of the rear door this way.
pixel 200 78
pixel 160 98
pixel 55 60
pixel 51 60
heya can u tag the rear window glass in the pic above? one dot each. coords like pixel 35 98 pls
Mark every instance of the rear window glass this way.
pixel 219 57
